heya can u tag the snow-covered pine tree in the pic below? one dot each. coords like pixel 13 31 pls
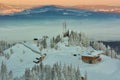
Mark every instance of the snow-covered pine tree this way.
pixel 77 74
pixel 56 72
pixel 58 39
pixel 108 51
pixel 113 53
pixel 76 38
pixel 52 42
pixel 84 40
pixel 95 45
pixel 65 71
pixel 85 76
pixel 43 42
pixel 4 45
pixel 53 73
pixel 34 73
pixel 10 75
pixel 11 51
pixel 102 46
pixel 27 74
pixel 3 72
pixel 48 72
pixel 7 56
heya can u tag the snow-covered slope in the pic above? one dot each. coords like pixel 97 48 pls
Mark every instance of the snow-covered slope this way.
pixel 107 69
pixel 23 57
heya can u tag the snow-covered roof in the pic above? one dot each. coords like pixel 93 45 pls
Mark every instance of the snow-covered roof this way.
pixel 92 53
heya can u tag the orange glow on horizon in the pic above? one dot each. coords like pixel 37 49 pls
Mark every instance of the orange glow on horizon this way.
pixel 61 2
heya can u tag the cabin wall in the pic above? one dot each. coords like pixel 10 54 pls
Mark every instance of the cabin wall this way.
pixel 89 59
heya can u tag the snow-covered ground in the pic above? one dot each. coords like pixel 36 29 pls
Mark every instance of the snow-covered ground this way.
pixel 23 57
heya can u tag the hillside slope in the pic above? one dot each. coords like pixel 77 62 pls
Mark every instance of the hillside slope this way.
pixel 23 57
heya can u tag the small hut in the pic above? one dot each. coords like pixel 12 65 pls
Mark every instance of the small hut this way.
pixel 40 59
pixel 92 57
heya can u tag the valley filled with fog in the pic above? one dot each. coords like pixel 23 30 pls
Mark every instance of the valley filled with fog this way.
pixel 27 29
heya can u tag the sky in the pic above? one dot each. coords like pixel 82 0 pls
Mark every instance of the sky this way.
pixel 62 2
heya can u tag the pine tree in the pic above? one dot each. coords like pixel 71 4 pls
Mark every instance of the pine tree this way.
pixel 43 42
pixel 96 45
pixel 48 72
pixel 3 72
pixel 58 39
pixel 56 72
pixel 85 76
pixel 27 74
pixel 10 74
pixel 107 52
pixel 11 51
pixel 84 40
pixel 77 74
pixel 52 43
pixel 53 74
pixel 113 54
pixel 4 45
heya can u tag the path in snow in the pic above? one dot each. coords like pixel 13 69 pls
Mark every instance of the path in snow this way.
pixel 31 49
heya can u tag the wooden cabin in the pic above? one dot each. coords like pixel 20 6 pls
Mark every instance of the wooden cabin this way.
pixel 91 58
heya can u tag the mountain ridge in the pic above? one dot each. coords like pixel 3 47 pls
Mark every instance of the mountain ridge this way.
pixel 97 8
pixel 51 11
pixel 100 8
pixel 6 9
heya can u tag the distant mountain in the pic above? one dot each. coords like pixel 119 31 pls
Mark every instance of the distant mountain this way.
pixel 10 9
pixel 61 12
pixel 113 44
pixel 100 8
pixel 52 11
